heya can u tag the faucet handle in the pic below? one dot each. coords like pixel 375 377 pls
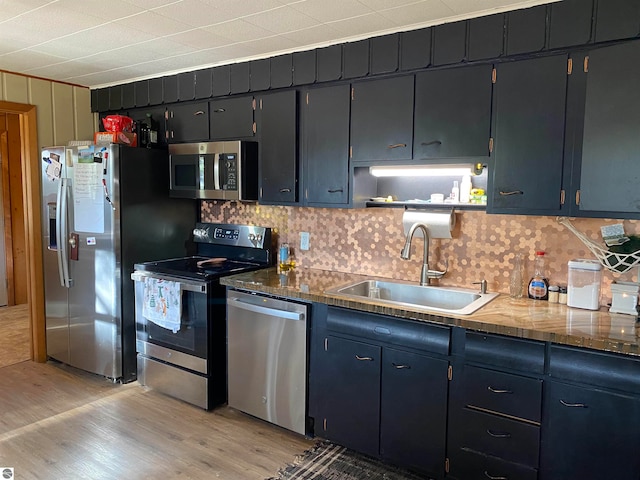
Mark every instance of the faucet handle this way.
pixel 483 285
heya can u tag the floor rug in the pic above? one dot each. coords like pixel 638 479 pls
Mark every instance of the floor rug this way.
pixel 326 461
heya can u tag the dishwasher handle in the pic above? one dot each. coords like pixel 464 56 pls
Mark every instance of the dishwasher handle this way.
pixel 272 312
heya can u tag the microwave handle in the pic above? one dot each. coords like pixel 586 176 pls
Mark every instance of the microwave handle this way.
pixel 216 171
pixel 201 171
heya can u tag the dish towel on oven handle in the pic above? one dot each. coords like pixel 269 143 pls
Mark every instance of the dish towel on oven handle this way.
pixel 162 303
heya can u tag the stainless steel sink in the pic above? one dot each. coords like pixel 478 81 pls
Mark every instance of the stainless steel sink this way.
pixel 439 299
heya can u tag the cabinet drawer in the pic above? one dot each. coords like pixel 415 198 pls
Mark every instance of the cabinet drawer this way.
pixel 507 352
pixel 510 440
pixel 595 368
pixel 501 392
pixel 467 465
pixel 395 331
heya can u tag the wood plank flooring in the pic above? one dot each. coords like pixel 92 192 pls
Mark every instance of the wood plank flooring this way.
pixel 60 423
pixel 15 343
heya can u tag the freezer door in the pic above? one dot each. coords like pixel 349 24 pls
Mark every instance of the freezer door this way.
pixel 94 333
pixel 56 295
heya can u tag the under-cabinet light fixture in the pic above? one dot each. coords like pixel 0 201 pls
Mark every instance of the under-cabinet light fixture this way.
pixel 427 170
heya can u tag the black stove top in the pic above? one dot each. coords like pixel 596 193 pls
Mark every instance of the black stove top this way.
pixel 189 268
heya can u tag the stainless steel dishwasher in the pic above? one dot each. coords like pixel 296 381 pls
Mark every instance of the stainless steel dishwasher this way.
pixel 267 358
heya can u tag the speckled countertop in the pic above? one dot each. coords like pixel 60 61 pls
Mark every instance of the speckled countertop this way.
pixel 524 318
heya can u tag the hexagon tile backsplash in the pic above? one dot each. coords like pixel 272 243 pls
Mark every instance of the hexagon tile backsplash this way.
pixel 368 241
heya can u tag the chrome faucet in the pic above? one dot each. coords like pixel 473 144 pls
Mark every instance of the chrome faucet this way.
pixel 425 273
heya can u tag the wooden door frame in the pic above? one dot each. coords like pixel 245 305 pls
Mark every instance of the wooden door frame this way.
pixel 30 163
pixel 6 213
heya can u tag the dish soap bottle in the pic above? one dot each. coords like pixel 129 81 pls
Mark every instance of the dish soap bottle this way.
pixel 465 189
pixel 539 285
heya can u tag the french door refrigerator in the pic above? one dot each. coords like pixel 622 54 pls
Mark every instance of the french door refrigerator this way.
pixel 105 207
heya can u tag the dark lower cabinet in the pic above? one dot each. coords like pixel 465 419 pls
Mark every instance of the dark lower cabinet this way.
pixel 529 113
pixel 413 410
pixel 325 146
pixel 467 464
pixel 277 127
pixel 589 434
pixel 352 408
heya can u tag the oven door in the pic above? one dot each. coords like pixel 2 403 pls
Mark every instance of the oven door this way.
pixel 188 345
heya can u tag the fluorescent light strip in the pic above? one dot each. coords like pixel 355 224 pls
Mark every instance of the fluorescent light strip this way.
pixel 420 171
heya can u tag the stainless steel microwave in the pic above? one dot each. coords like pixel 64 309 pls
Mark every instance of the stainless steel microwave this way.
pixel 214 170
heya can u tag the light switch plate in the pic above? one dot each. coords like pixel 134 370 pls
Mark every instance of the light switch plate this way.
pixel 304 240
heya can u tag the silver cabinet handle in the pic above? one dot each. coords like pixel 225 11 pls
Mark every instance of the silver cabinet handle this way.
pixel 514 192
pixel 199 112
pixel 400 366
pixel 364 359
pixel 486 474
pixel 272 312
pixel 497 390
pixel 498 434
pixel 397 145
pixel 285 190
pixel 573 405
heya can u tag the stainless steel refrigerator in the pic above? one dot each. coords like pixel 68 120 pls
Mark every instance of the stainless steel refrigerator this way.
pixel 105 207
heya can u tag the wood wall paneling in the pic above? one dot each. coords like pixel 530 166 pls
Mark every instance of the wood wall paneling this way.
pixel 40 94
pixel 1 86
pixel 15 87
pixel 84 124
pixel 63 130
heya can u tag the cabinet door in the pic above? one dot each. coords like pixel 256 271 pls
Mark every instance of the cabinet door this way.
pixel 453 113
pixel 325 138
pixel 529 106
pixel 277 127
pixel 616 19
pixel 413 410
pixel 382 119
pixel 352 406
pixel 231 118
pixel 188 122
pixel 589 434
pixel 610 145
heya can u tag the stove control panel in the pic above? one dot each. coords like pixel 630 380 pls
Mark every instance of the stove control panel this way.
pixel 233 235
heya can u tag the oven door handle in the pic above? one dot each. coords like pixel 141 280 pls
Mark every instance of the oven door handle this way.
pixel 272 312
pixel 185 285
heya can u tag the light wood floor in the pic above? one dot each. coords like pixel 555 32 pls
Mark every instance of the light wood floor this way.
pixel 59 423
pixel 15 343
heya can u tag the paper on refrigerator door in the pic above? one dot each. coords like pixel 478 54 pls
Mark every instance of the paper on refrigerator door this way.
pixel 88 198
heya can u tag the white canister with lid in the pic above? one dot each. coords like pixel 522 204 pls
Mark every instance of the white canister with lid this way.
pixel 583 289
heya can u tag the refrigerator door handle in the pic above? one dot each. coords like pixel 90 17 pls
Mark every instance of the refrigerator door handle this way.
pixel 62 234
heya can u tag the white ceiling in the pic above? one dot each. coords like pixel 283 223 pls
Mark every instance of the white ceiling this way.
pixel 97 43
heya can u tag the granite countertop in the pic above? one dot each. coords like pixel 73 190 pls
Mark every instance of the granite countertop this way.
pixel 524 318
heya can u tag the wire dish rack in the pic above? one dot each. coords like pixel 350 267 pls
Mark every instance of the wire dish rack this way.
pixel 616 262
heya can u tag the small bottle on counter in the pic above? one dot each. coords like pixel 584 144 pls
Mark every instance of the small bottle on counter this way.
pixel 539 285
pixel 554 294
pixel 516 280
pixel 562 295
pixel 283 255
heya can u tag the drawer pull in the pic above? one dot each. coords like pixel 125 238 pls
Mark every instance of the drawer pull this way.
pixel 573 405
pixel 498 434
pixel 400 366
pixel 397 145
pixel 364 359
pixel 488 475
pixel 498 390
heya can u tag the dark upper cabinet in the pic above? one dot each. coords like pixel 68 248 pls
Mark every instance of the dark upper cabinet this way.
pixel 526 30
pixel 453 113
pixel 170 89
pixel 570 23
pixel 203 82
pixel 415 49
pixel 221 80
pixel 260 71
pixel 231 118
pixel 128 95
pixel 155 91
pixel 449 43
pixel 617 19
pixel 486 37
pixel 589 433
pixel 239 77
pixel 186 86
pixel 94 100
pixel 329 63
pixel 277 120
pixel 325 145
pixel 384 53
pixel 382 119
pixel 115 97
pixel 528 132
pixel 153 115
pixel 188 122
pixel 609 169
pixel 141 92
pixel 304 67
pixel 281 71
pixel 102 100
pixel 355 58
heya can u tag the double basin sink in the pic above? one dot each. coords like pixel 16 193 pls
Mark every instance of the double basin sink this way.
pixel 452 300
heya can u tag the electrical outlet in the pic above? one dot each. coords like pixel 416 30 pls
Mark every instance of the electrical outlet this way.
pixel 304 240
